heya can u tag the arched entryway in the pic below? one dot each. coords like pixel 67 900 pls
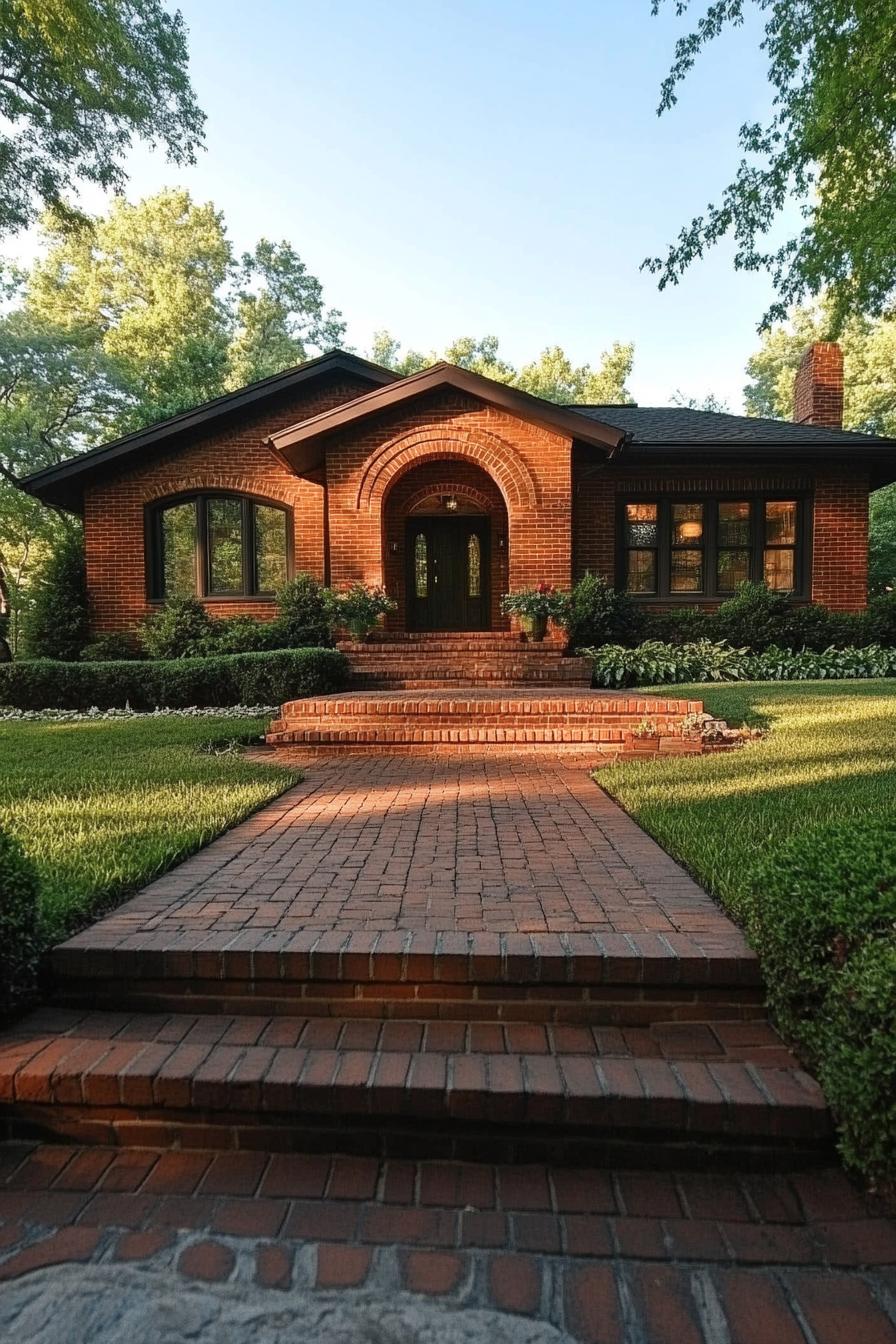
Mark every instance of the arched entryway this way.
pixel 445 540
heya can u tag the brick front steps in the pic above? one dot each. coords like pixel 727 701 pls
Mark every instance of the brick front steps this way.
pixel 481 718
pixel 423 661
pixel 505 1093
pixel 609 978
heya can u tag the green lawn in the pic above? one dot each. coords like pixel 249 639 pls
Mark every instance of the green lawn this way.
pixel 830 756
pixel 103 807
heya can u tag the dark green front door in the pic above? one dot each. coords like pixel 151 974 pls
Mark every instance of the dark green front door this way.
pixel 447 573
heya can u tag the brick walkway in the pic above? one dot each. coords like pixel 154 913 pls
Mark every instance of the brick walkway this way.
pixel 630 1257
pixel 486 843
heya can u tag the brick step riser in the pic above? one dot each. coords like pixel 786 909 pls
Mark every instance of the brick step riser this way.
pixel 591 724
pixel 377 682
pixel 605 740
pixel 623 1006
pixel 605 1144
pixel 566 705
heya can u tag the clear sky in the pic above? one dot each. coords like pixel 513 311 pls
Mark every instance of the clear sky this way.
pixel 458 167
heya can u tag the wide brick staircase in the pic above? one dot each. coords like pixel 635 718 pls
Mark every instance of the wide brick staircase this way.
pixel 555 719
pixel 506 1048
pixel 422 661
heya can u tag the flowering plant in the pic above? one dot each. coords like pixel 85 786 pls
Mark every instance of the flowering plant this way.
pixel 544 600
pixel 359 606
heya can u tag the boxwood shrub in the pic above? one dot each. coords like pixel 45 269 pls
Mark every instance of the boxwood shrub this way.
pixel 822 916
pixel 19 932
pixel 231 679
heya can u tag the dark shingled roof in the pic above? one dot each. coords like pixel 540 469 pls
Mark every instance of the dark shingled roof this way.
pixel 681 424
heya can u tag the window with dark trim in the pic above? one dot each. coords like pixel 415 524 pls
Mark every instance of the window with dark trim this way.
pixel 217 545
pixel 683 549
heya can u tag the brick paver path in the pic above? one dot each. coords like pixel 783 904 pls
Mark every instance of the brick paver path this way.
pixel 497 843
pixel 625 1257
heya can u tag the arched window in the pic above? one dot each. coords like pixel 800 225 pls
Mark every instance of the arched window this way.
pixel 218 546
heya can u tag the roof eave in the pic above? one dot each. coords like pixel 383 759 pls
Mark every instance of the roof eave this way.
pixel 514 401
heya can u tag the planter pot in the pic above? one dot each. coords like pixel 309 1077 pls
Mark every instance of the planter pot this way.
pixel 534 627
pixel 649 745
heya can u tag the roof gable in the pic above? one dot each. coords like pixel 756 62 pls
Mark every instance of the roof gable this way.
pixel 292 442
pixel 62 484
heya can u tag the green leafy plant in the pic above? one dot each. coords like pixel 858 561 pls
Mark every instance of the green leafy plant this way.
pixel 359 607
pixel 830 665
pixel 238 679
pixel 682 625
pixel 822 915
pixel 56 625
pixel 597 613
pixel 305 613
pixel 19 926
pixel 543 602
pixel 655 664
pixel 111 648
pixel 182 628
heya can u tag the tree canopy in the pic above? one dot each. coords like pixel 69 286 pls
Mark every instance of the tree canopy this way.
pixel 80 80
pixel 552 376
pixel 829 143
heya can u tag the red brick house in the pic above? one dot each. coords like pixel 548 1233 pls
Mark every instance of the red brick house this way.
pixel 452 489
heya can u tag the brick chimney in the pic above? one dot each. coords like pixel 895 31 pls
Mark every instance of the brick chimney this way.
pixel 818 386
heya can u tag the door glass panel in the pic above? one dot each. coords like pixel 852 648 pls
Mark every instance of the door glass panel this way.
pixel 421 568
pixel 779 569
pixel 734 524
pixel 270 548
pixel 474 566
pixel 225 546
pixel 641 572
pixel 687 524
pixel 641 524
pixel 780 522
pixel 734 568
pixel 687 572
pixel 179 550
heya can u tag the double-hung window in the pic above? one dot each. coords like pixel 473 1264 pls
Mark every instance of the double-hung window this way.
pixel 683 549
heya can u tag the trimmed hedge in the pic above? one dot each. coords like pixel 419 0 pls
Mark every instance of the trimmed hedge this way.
pixel 19 926
pixel 237 679
pixel 822 916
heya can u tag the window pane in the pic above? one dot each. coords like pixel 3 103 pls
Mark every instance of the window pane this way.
pixel 179 550
pixel 780 522
pixel 641 572
pixel 734 568
pixel 640 524
pixel 687 524
pixel 225 546
pixel 474 566
pixel 270 548
pixel 779 569
pixel 734 524
pixel 687 572
pixel 421 570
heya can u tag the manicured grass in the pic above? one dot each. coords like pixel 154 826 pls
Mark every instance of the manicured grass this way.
pixel 830 756
pixel 102 808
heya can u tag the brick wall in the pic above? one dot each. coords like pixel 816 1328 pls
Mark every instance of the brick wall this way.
pixel 839 508
pixel 530 466
pixel 231 458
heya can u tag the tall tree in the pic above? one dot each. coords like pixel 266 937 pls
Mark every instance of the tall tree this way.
pixel 80 80
pixel 829 142
pixel 552 376
pixel 280 315
pixel 869 399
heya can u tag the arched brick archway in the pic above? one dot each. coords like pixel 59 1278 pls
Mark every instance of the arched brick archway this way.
pixel 443 476
pixel 498 459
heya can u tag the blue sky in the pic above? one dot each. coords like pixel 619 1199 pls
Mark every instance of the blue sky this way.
pixel 467 168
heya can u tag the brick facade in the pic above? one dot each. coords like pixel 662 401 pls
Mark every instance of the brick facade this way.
pixel 552 507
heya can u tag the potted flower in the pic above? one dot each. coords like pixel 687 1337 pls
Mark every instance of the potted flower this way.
pixel 359 607
pixel 645 736
pixel 534 607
